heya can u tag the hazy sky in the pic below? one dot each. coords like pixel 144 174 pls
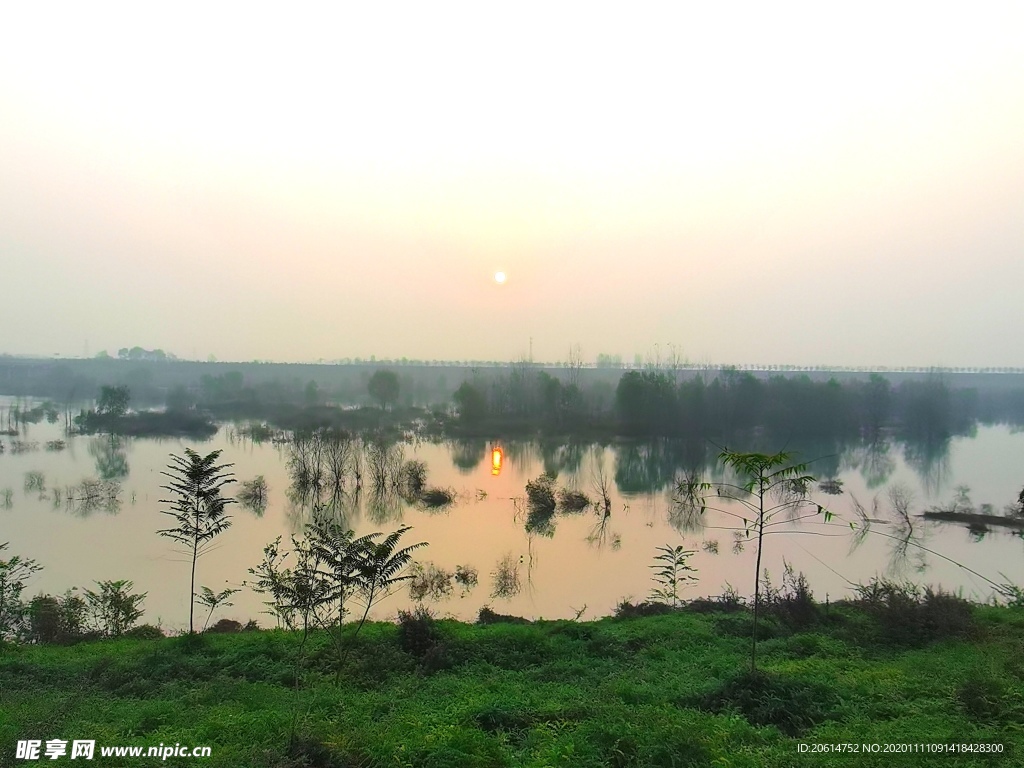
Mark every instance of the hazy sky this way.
pixel 750 182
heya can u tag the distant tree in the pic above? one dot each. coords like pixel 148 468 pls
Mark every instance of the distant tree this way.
pixel 113 401
pixel 197 507
pixel 179 399
pixel 383 387
pixel 312 393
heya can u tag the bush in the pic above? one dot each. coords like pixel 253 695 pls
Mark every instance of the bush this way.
pixel 793 605
pixel 436 498
pixel 792 706
pixel 628 610
pixel 225 626
pixel 907 616
pixel 417 632
pixel 145 632
pixel 419 636
pixel 540 496
pixel 988 699
pixel 487 616
pixel 56 619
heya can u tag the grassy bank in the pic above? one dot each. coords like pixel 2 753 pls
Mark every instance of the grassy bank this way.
pixel 656 690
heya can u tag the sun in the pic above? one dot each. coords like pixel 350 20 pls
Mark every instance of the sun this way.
pixel 499 277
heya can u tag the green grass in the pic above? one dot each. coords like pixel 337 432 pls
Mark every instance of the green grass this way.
pixel 661 690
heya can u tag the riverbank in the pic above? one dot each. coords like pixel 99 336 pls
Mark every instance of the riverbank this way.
pixel 655 690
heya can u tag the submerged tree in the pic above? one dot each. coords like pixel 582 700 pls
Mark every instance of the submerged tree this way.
pixel 197 507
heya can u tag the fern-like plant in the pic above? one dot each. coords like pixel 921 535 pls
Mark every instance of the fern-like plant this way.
pixel 672 573
pixel 197 507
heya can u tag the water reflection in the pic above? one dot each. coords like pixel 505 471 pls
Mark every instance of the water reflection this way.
pixel 91 496
pixel 466 455
pixel 110 453
pixel 930 460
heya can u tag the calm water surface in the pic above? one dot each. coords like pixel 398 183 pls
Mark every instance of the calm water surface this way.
pixel 587 561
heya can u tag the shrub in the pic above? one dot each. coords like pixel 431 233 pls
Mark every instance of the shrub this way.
pixel 225 626
pixel 113 609
pixel 419 636
pixel 145 632
pixel 57 619
pixel 487 616
pixel 906 615
pixel 540 495
pixel 628 610
pixel 436 498
pixel 793 604
pixel 792 706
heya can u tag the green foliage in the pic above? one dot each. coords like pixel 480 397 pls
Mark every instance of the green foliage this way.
pixel 57 619
pixel 113 401
pixel 145 632
pixel 113 609
pixel 197 507
pixel 14 575
pixel 910 616
pixel 420 637
pixel 383 387
pixel 214 600
pixel 792 706
pixel 792 604
pixel 332 569
pixel 647 692
pixel 767 486
pixel 471 404
pixel 672 573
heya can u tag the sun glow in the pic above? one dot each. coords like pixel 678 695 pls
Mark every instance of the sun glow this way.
pixel 499 277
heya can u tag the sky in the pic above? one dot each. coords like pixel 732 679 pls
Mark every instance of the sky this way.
pixel 813 183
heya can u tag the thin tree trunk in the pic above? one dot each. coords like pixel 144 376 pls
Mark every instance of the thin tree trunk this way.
pixel 192 587
pixel 757 578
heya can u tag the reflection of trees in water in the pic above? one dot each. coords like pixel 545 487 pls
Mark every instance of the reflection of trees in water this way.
pixel 686 510
pixel 339 505
pixel 930 460
pixel 383 505
pixel 506 583
pixel 648 467
pixel 601 534
pixel 905 535
pixel 91 496
pixel 254 495
pixel 110 453
pixel 562 457
pixel 521 455
pixel 466 455
pixel 873 460
pixel 328 468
